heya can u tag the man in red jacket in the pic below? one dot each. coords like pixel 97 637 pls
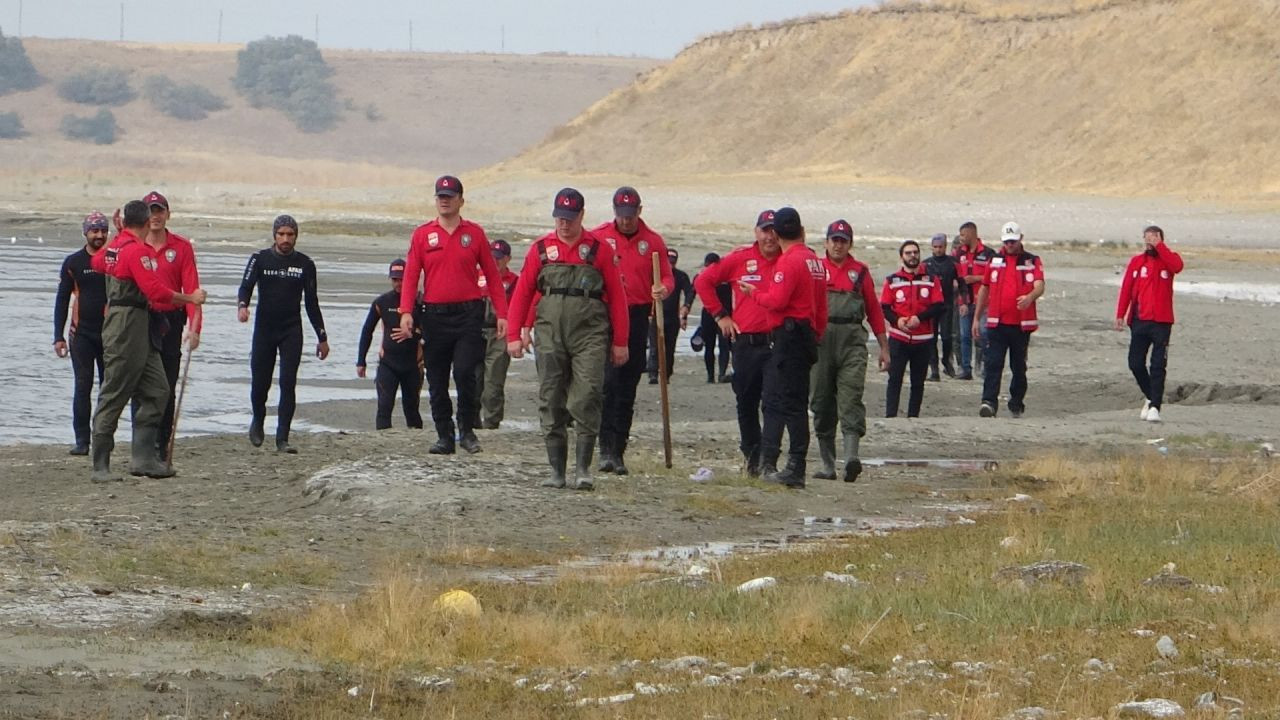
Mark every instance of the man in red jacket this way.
pixel 912 301
pixel 1146 304
pixel 443 257
pixel 1013 281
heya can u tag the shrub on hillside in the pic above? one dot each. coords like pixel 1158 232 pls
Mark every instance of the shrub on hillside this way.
pixel 97 85
pixel 185 102
pixel 16 70
pixel 10 126
pixel 101 128
pixel 290 74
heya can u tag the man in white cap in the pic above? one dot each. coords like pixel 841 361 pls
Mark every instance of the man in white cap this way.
pixel 1014 280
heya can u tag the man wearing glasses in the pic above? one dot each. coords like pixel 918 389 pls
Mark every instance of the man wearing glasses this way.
pixel 1013 282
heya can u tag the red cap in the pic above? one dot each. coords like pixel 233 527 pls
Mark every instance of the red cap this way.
pixel 448 185
pixel 765 219
pixel 569 202
pixel 626 201
pixel 840 229
pixel 155 198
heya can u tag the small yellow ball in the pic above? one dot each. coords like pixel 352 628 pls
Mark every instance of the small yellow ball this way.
pixel 458 602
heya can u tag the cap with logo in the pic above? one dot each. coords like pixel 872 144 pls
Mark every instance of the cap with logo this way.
pixel 840 229
pixel 938 239
pixel 154 198
pixel 569 203
pixel 500 248
pixel 786 221
pixel 1010 232
pixel 765 219
pixel 448 185
pixel 94 221
pixel 397 269
pixel 626 201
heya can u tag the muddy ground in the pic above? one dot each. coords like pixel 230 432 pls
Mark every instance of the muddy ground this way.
pixel 117 600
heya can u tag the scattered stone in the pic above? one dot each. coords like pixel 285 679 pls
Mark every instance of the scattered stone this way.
pixel 843 579
pixel 611 700
pixel 1140 633
pixel 1097 666
pixel 712 680
pixel 521 683
pixel 759 583
pixel 544 687
pixel 696 570
pixel 1166 648
pixel 1168 580
pixel 434 682
pixel 1059 571
pixel 688 662
pixel 1010 542
pixel 843 675
pixel 1032 713
pixel 962 520
pixel 1154 708
pixel 354 691
pixel 160 686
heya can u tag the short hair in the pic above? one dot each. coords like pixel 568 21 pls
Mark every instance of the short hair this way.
pixel 970 226
pixel 904 245
pixel 136 214
pixel 1154 229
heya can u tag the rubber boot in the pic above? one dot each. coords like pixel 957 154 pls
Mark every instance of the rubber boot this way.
pixel 852 463
pixel 144 460
pixel 102 446
pixel 445 444
pixel 582 480
pixel 791 476
pixel 933 371
pixel 620 467
pixel 751 457
pixel 768 463
pixel 557 457
pixel 827 451
pixel 606 454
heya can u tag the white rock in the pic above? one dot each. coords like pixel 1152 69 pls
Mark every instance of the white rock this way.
pixel 1031 713
pixel 1207 701
pixel 696 570
pixel 1154 708
pixel 962 520
pixel 712 680
pixel 1010 542
pixel 842 579
pixel 521 682
pixel 611 700
pixel 1142 633
pixel 842 675
pixel 544 687
pixel 354 691
pixel 688 662
pixel 1020 497
pixel 1096 665
pixel 645 689
pixel 759 583
pixel 1168 568
pixel 1166 648
pixel 246 587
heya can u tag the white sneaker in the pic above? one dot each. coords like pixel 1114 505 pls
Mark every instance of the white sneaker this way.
pixel 1153 415
pixel 1146 408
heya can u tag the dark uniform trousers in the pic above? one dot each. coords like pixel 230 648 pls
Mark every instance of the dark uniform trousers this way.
pixel 620 385
pixel 286 341
pixel 408 380
pixel 86 355
pixel 453 342
pixel 670 333
pixel 1002 339
pixel 902 355
pixel 751 353
pixel 786 394
pixel 1144 336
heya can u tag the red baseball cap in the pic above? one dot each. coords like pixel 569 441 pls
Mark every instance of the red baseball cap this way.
pixel 765 219
pixel 840 229
pixel 448 185
pixel 569 203
pixel 626 201
pixel 155 198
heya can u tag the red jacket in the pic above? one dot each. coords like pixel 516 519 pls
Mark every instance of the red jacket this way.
pixel 136 262
pixel 177 268
pixel 523 299
pixel 854 276
pixel 746 264
pixel 1008 278
pixel 449 260
pixel 798 290
pixel 634 262
pixel 1147 290
pixel 906 294
pixel 972 262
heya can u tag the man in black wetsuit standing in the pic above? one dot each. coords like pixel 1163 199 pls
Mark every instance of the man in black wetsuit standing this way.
pixel 284 277
pixel 400 356
pixel 88 288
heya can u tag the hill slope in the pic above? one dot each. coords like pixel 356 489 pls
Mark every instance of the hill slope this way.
pixel 1171 97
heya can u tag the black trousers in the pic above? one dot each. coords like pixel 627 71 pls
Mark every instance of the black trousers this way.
pixel 1144 336
pixel 86 354
pixel 408 380
pixel 1002 339
pixel 750 356
pixel 901 355
pixel 943 327
pixel 620 385
pixel 786 395
pixel 713 338
pixel 267 344
pixel 671 333
pixel 454 342
pixel 171 356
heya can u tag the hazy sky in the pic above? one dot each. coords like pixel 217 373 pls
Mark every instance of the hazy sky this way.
pixel 656 28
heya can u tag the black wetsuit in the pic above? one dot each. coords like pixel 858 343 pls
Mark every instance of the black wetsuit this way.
pixel 670 323
pixel 399 365
pixel 90 291
pixel 282 281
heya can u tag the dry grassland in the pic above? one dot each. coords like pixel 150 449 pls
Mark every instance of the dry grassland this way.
pixel 930 631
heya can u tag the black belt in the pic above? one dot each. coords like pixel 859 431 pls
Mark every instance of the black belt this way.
pixel 446 308
pixel 793 325
pixel 141 305
pixel 577 292
pixel 752 338
pixel 842 321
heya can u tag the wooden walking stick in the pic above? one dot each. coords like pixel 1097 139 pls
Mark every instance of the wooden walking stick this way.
pixel 662 368
pixel 177 406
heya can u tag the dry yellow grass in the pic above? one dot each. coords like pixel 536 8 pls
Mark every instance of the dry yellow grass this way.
pixel 1112 96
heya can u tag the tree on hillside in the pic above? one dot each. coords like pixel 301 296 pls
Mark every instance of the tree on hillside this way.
pixel 184 102
pixel 290 74
pixel 16 70
pixel 10 126
pixel 97 85
pixel 100 128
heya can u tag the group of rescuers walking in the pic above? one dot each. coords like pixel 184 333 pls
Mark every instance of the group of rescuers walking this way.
pixel 797 326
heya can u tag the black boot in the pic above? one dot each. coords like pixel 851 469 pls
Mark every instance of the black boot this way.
pixel 827 451
pixel 256 433
pixel 143 460
pixel 852 463
pixel 582 480
pixel 81 448
pixel 444 444
pixel 792 475
pixel 606 454
pixel 933 371
pixel 620 467
pixel 102 447
pixel 752 458
pixel 557 457
pixel 469 442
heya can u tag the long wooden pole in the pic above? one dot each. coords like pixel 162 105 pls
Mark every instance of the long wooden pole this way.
pixel 177 406
pixel 662 367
